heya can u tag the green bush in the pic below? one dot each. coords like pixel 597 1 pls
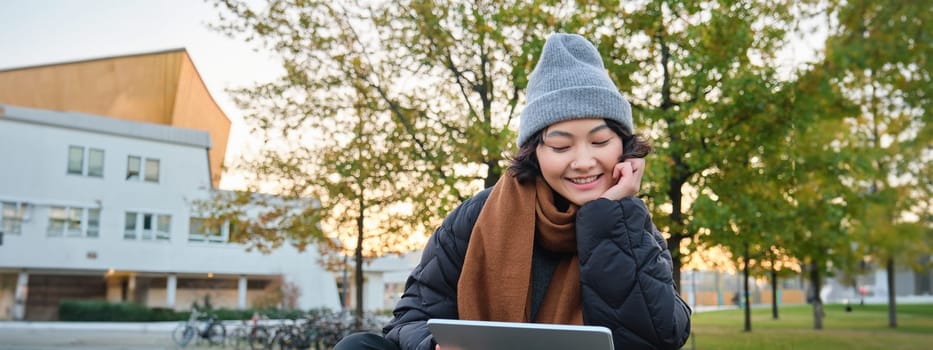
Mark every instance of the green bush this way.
pixel 271 313
pixel 103 311
pixel 231 314
pixel 167 314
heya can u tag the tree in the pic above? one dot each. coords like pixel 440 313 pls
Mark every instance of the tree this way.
pixel 878 55
pixel 749 221
pixel 779 265
pixel 259 221
pixel 450 77
pixel 745 203
pixel 359 185
pixel 389 111
pixel 817 192
pixel 741 209
pixel 701 76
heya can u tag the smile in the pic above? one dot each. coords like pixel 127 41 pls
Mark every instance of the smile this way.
pixel 583 180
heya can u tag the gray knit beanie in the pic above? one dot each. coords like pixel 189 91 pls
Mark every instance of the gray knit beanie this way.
pixel 570 82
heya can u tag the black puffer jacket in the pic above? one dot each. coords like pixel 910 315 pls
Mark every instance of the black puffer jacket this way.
pixel 625 272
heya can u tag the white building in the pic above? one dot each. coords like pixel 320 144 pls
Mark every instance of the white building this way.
pixel 385 280
pixel 100 208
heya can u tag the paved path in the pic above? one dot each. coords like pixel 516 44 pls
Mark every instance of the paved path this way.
pixel 88 336
pixel 35 339
pixel 105 335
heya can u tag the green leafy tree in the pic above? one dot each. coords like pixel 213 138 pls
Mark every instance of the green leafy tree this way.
pixel 702 81
pixel 450 77
pixel 361 190
pixel 817 192
pixel 746 210
pixel 879 55
pixel 389 113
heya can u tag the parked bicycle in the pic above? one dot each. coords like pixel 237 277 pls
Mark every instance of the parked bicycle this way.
pixel 318 331
pixel 290 334
pixel 250 336
pixel 209 329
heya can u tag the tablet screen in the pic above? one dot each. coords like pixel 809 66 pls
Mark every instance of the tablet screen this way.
pixel 488 335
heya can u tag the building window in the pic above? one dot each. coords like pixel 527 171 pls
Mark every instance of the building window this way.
pixel 76 160
pixel 129 229
pixel 202 230
pixel 147 226
pixel 73 221
pixel 70 221
pixel 57 217
pixel 163 227
pixel 13 215
pixel 135 169
pixel 95 161
pixel 152 170
pixel 93 222
pixel 133 166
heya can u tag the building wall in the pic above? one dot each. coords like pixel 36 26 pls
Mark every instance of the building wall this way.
pixel 196 109
pixel 373 292
pixel 129 87
pixel 41 178
pixel 923 281
pixel 185 298
pixel 35 159
pixel 904 282
pixel 792 296
pixel 161 87
pixel 385 280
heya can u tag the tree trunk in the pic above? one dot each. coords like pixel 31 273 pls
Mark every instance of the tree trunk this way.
pixel 673 244
pixel 676 230
pixel 774 292
pixel 358 256
pixel 345 292
pixel 817 302
pixel 748 309
pixel 679 168
pixel 493 172
pixel 892 302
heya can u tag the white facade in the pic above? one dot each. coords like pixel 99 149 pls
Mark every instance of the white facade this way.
pixel 81 221
pixel 909 286
pixel 385 280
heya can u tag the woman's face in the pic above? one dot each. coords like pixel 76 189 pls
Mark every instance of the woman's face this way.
pixel 577 158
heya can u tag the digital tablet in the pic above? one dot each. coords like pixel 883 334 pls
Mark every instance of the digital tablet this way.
pixel 487 335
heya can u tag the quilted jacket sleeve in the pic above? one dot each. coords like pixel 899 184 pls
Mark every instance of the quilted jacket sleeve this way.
pixel 431 289
pixel 627 282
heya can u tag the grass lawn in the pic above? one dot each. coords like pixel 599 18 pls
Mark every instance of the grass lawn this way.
pixel 866 327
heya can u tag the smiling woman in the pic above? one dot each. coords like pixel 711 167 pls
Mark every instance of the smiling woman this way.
pixel 578 159
pixel 561 238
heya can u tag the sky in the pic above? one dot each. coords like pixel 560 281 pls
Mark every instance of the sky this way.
pixel 40 32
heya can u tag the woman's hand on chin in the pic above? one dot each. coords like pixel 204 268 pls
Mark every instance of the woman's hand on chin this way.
pixel 627 175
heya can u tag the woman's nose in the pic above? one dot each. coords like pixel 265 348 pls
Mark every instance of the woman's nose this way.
pixel 583 161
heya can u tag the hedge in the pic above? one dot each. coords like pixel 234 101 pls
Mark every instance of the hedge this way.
pixel 103 311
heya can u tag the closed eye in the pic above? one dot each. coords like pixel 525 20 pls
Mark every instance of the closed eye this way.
pixel 559 149
pixel 602 143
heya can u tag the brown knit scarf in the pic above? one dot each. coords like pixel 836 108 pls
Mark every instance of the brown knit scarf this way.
pixel 496 277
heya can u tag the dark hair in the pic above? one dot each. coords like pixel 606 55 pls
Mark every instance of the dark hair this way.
pixel 524 165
